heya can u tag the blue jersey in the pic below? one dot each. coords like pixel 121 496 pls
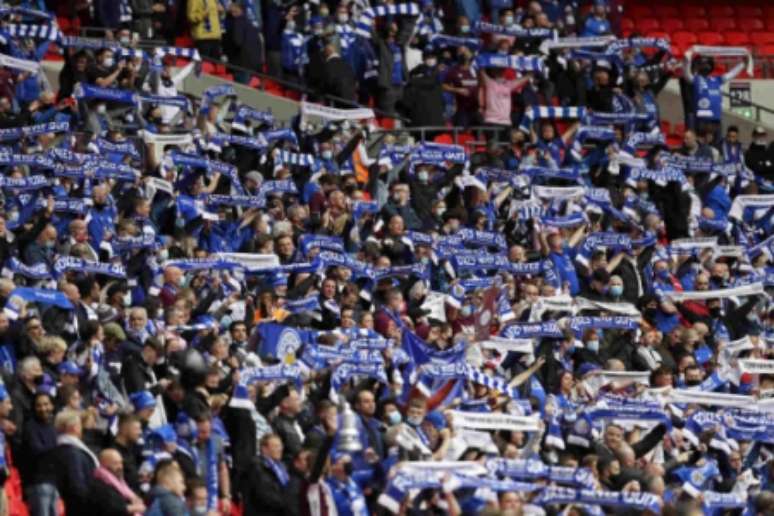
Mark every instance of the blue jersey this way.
pixel 293 53
pixel 708 97
pixel 566 271
pixel 596 27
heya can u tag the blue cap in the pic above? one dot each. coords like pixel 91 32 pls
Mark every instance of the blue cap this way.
pixel 588 367
pixel 164 433
pixel 69 367
pixel 185 426
pixel 436 419
pixel 142 400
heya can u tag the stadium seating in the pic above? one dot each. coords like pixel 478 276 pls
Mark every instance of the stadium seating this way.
pixel 714 22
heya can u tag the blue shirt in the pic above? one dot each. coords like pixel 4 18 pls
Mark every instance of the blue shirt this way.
pixel 397 65
pixel 596 27
pixel 566 271
pixel 348 497
pixel 708 97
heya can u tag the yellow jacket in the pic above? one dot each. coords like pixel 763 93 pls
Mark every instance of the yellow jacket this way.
pixel 204 19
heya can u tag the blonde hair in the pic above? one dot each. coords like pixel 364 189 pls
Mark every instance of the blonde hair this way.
pixel 50 343
pixel 66 419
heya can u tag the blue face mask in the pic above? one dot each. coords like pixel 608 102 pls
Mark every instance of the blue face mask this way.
pixel 466 311
pixel 663 274
pixel 592 345
pixel 616 290
pixel 394 418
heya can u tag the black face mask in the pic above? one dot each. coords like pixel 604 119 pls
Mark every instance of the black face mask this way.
pixel 719 280
pixel 38 380
pixel 166 82
pixel 715 311
pixel 692 383
pixel 349 468
pixel 651 313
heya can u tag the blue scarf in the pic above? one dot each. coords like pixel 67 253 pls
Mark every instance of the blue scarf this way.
pixel 39 271
pixel 284 186
pixel 568 221
pixel 25 183
pixel 245 113
pixel 91 92
pixel 518 32
pixel 213 92
pixel 532 330
pixel 562 495
pixel 17 133
pixel 482 238
pixel 36 295
pixel 519 63
pixel 347 370
pixel 550 113
pixel 361 208
pixel 71 263
pixel 364 25
pixel 607 322
pixel 617 46
pixel 308 242
pixel 279 135
pixel 272 373
pixel 278 468
pixel 445 41
pixel 417 269
pixel 126 148
pixel 247 201
pixel 218 140
pixel 307 304
pixel 125 244
pixel 438 154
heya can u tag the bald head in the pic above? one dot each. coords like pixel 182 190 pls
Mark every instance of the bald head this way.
pixel 173 274
pixel 111 460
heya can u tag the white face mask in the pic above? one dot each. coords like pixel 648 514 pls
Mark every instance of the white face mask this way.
pixel 327 154
pixel 465 29
pixel 423 176
pixel 508 20
pixel 431 62
pixel 291 25
pixel 125 40
pixel 343 18
pixel 101 109
pixel 127 299
pixel 108 62
pixel 592 345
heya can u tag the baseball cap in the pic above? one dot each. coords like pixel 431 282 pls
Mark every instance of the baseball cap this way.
pixel 142 400
pixel 69 367
pixel 759 130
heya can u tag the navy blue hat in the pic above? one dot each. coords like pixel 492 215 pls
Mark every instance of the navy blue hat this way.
pixel 164 433
pixel 142 400
pixel 587 367
pixel 69 367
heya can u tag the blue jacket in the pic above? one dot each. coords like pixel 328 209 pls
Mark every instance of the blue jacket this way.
pixel 165 503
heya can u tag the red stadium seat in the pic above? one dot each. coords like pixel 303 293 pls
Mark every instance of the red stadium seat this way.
pixel 750 24
pixel 765 50
pixel 684 38
pixel 639 11
pixel 672 24
pixel 736 38
pixel 722 24
pixel 627 24
pixel 692 11
pixel 720 11
pixel 748 11
pixel 711 38
pixel 696 24
pixel 647 24
pixel 665 126
pixel 658 34
pixel 762 38
pixel 667 11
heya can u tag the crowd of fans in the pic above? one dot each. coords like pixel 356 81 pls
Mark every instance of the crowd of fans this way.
pixel 205 313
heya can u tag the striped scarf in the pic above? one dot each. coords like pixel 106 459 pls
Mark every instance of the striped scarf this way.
pixel 365 24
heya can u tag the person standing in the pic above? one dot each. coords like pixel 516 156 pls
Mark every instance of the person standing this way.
pixel 204 18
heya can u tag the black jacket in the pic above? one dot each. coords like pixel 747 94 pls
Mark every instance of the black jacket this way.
pixel 760 159
pixel 74 472
pixel 263 494
pixel 423 97
pixel 339 79
pixel 38 439
pixel 241 43
pixel 291 441
pixel 106 500
pixel 138 375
